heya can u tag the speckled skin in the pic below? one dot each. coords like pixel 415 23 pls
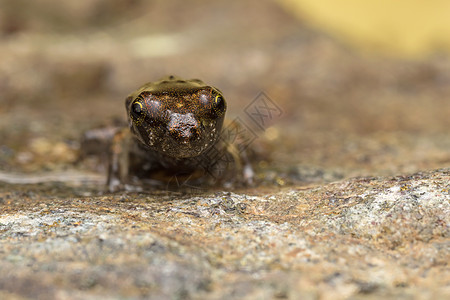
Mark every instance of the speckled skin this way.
pixel 175 117
pixel 174 126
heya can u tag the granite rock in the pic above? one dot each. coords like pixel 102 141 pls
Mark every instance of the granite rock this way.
pixel 378 237
pixel 352 198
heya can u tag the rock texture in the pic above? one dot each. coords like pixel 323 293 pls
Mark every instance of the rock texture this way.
pixel 377 237
pixel 353 197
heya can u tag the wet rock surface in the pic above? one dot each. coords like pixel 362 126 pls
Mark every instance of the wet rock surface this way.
pixel 353 187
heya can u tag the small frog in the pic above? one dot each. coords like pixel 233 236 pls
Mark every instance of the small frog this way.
pixel 175 127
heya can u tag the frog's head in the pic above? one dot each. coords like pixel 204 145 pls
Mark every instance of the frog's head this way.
pixel 177 118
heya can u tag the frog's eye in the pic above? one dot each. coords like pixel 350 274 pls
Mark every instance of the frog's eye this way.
pixel 219 105
pixel 137 111
pixel 137 108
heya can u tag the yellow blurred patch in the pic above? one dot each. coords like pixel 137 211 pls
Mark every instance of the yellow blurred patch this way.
pixel 409 28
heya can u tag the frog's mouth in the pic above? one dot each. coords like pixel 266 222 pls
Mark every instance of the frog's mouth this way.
pixel 184 146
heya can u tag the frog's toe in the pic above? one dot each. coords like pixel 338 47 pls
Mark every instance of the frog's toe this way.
pixel 248 174
pixel 115 185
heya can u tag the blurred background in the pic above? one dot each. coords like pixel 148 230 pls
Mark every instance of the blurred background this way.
pixel 364 85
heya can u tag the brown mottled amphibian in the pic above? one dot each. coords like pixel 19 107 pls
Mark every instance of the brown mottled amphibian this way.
pixel 175 127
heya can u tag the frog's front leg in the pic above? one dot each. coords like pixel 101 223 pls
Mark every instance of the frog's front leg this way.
pixel 97 143
pixel 242 164
pixel 119 160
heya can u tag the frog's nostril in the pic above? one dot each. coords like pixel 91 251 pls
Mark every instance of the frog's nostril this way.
pixel 183 128
pixel 188 134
